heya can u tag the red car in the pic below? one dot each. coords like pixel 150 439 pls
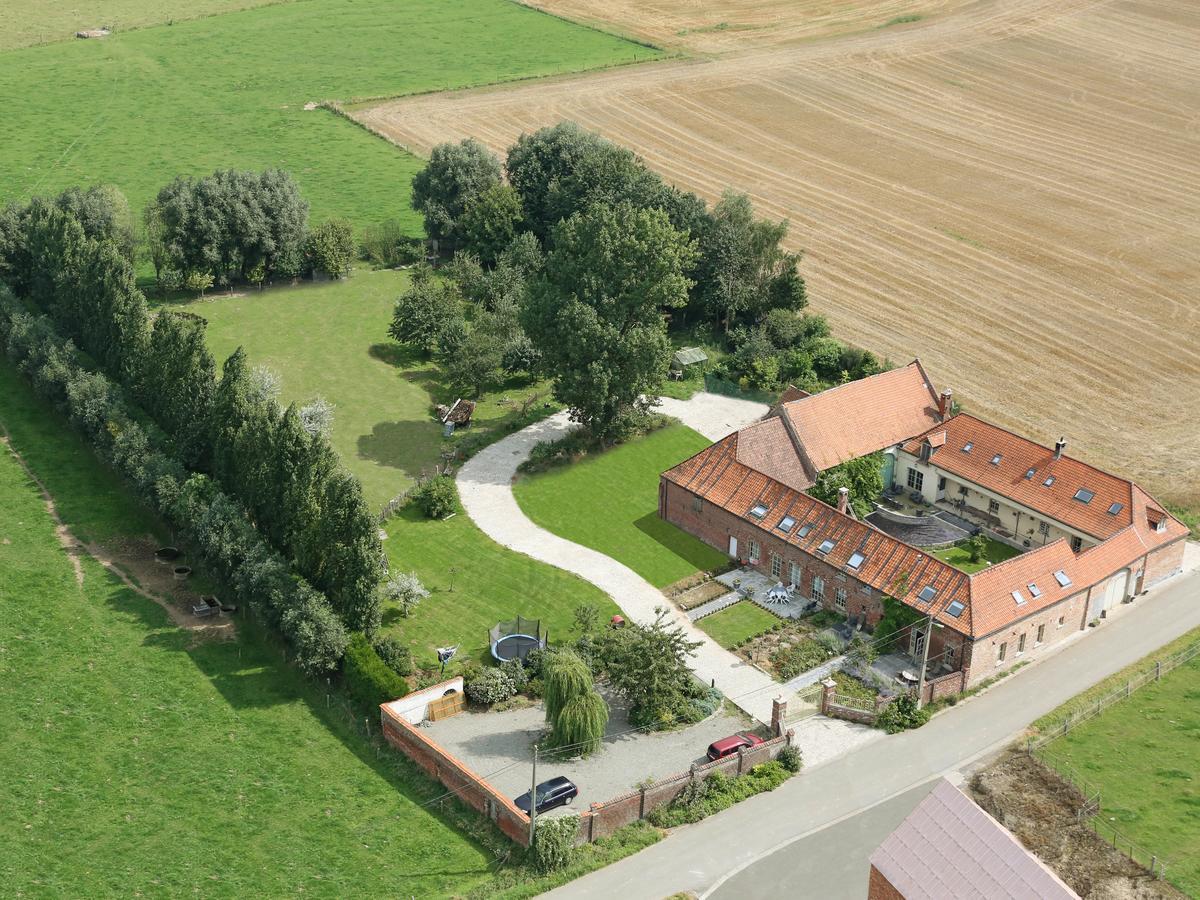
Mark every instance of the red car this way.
pixel 730 745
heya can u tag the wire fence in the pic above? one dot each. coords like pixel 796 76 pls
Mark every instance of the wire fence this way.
pixel 715 385
pixel 1091 805
pixel 1093 709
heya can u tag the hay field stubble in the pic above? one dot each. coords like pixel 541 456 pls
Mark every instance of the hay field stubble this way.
pixel 1010 191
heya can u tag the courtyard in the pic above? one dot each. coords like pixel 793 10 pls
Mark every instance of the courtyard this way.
pixel 499 747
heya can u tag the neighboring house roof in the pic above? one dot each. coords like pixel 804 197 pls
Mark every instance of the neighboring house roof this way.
pixel 1010 475
pixel 860 417
pixel 687 356
pixel 949 847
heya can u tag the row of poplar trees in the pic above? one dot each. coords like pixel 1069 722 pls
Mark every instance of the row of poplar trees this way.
pixel 78 269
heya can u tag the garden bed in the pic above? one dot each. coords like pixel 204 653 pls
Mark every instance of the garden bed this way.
pixel 790 648
pixel 700 594
pixel 737 624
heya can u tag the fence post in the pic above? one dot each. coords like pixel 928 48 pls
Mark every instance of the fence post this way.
pixel 1127 688
pixel 642 803
pixel 741 759
pixel 1157 670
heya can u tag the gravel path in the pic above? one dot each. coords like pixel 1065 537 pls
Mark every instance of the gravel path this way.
pixel 485 485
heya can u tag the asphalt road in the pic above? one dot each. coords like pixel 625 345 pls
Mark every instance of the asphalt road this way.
pixel 745 850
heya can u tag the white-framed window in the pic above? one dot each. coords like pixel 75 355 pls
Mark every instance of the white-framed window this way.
pixel 1002 652
pixel 993 506
pixel 1061 621
pixel 949 655
pixel 1044 529
pixel 1021 644
pixel 1076 543
pixel 795 573
pixel 755 551
pixel 840 599
pixel 916 479
pixel 1041 634
pixel 818 588
pixel 776 566
pixel 697 505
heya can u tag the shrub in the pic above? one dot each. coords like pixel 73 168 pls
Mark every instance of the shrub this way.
pixel 330 247
pixel 902 714
pixel 554 843
pixel 491 686
pixel 861 652
pixel 438 497
pixel 406 591
pixel 717 792
pixel 369 680
pixel 828 641
pixel 535 660
pixel 395 655
pixel 516 673
pixel 387 245
pixel 790 758
pixel 976 547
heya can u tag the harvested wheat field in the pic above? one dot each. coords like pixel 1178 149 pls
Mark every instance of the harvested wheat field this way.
pixel 1010 191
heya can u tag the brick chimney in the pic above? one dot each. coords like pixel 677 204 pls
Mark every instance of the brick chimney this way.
pixel 843 499
pixel 1059 446
pixel 945 402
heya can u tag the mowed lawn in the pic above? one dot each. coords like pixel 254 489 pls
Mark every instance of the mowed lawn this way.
pixel 737 623
pixel 475 583
pixel 136 761
pixel 1143 754
pixel 331 339
pixel 228 91
pixel 609 502
pixel 960 557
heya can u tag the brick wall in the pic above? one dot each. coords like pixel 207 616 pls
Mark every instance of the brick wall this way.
pixel 605 818
pixel 714 525
pixel 1163 563
pixel 879 888
pixel 455 776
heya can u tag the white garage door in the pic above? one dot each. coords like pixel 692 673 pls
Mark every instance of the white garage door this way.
pixel 1116 589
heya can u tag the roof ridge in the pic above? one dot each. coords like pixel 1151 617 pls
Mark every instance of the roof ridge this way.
pixel 856 381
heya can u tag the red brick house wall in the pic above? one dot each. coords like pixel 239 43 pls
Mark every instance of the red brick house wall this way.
pixel 879 888
pixel 985 661
pixel 1163 563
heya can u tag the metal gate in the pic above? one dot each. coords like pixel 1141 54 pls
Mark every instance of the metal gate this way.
pixel 803 704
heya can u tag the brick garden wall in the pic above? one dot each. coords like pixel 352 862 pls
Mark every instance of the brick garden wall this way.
pixel 455 776
pixel 605 818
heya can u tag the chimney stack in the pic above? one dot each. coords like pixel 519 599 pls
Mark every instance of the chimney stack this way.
pixel 945 402
pixel 1059 446
pixel 843 499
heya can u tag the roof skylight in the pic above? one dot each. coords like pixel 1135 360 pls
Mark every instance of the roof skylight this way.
pixel 826 546
pixel 786 524
pixel 1029 473
pixel 968 446
pixel 1019 597
pixel 1083 495
pixel 955 609
pixel 856 560
pixel 996 459
pixel 1034 590
pixel 804 530
pixel 1115 508
pixel 758 510
pixel 927 593
pixel 1049 481
pixel 1061 577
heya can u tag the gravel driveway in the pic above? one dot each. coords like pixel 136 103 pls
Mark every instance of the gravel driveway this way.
pixel 491 742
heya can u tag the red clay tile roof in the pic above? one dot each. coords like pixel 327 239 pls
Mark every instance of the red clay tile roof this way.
pixel 863 416
pixel 1018 456
pixel 949 847
pixel 766 447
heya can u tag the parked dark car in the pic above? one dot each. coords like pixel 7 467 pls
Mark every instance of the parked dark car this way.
pixel 550 794
pixel 728 746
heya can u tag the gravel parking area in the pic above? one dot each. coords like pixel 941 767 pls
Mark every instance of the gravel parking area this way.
pixel 499 747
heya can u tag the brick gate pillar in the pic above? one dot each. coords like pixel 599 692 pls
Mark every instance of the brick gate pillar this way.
pixel 828 689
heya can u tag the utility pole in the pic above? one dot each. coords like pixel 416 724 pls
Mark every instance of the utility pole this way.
pixel 533 798
pixel 924 662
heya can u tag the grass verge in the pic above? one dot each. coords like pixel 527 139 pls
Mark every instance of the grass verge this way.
pixel 609 502
pixel 959 556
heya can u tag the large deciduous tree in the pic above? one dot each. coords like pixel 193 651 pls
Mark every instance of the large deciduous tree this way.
pixel 648 666
pixel 862 476
pixel 426 310
pixel 176 383
pixel 596 312
pixel 455 176
pixel 489 222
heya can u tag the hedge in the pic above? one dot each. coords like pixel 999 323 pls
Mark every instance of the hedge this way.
pixel 250 571
pixel 368 679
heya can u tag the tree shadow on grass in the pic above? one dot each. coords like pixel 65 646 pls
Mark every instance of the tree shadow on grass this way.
pixel 678 542
pixel 411 446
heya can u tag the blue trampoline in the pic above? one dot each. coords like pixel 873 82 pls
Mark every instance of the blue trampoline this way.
pixel 514 639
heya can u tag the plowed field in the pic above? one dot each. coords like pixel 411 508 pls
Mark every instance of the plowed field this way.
pixel 1009 190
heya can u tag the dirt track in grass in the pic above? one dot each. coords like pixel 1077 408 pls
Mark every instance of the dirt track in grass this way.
pixel 1009 190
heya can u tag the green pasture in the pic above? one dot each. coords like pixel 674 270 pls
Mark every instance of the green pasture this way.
pixel 229 91
pixel 137 760
pixel 609 502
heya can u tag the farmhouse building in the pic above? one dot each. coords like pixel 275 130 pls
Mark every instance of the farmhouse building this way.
pixel 1084 539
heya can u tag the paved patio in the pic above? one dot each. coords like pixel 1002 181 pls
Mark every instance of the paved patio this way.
pixel 757 586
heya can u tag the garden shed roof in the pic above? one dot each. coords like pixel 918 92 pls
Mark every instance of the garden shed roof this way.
pixel 689 356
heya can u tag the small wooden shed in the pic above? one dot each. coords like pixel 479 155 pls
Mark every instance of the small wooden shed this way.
pixel 688 356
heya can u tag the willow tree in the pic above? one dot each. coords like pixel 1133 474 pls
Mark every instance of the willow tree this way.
pixel 564 677
pixel 577 715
